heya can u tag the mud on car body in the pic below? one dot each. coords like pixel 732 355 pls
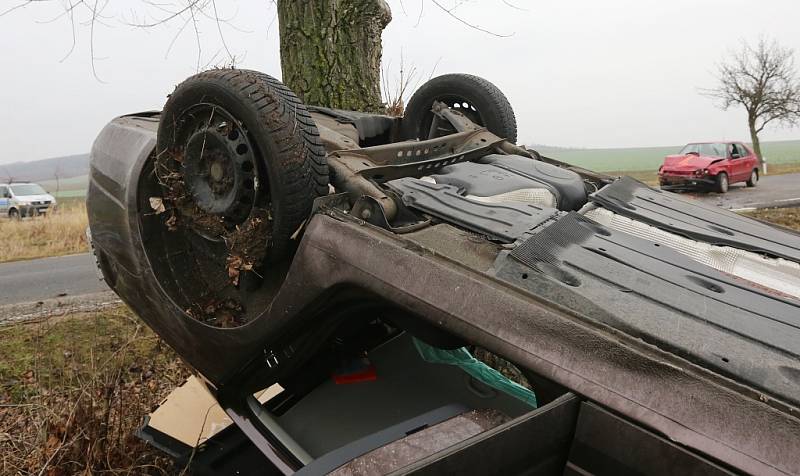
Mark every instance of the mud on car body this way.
pixel 354 264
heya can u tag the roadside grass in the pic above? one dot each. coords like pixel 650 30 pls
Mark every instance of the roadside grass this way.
pixel 73 390
pixel 649 177
pixel 788 217
pixel 62 232
pixel 777 169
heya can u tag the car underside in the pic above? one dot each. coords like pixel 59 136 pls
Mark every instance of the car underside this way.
pixel 359 263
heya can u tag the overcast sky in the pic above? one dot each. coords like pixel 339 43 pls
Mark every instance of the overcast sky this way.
pixel 583 73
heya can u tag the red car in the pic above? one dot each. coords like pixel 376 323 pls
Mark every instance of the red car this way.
pixel 709 164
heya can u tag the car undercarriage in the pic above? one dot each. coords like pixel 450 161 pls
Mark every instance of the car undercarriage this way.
pixel 357 263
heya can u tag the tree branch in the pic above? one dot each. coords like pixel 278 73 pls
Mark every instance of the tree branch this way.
pixel 763 80
pixel 450 13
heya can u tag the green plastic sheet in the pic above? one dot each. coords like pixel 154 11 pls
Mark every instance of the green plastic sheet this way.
pixel 476 369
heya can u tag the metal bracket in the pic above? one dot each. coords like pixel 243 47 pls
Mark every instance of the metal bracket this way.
pixel 371 211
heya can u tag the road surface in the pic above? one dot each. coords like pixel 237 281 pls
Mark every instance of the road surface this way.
pixel 772 191
pixel 48 278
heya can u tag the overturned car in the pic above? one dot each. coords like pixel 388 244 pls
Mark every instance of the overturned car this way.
pixel 356 264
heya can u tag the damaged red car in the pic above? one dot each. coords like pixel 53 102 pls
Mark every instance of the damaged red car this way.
pixel 709 165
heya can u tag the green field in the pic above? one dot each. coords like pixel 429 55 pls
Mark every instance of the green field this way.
pixel 645 159
pixel 649 158
pixel 69 187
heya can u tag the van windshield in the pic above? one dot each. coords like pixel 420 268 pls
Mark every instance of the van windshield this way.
pixel 27 189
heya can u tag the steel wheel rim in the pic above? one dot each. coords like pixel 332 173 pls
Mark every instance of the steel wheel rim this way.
pixel 221 168
pixel 456 103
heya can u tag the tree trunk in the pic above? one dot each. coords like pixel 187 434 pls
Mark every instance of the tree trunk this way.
pixel 756 142
pixel 331 51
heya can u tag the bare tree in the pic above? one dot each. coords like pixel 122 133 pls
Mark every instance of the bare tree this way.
pixel 763 80
pixel 57 174
pixel 9 177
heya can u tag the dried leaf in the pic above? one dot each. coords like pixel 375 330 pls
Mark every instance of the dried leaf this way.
pixel 157 204
pixel 237 264
pixel 52 442
pixel 172 223
pixel 233 269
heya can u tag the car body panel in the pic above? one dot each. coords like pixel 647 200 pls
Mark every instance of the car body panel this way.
pixel 688 163
pixel 5 200
pixel 687 217
pixel 621 372
pixel 663 297
pixel 607 349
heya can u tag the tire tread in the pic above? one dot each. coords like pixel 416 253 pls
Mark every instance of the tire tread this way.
pixel 301 166
pixel 503 120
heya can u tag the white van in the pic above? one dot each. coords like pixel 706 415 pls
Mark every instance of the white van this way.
pixel 19 200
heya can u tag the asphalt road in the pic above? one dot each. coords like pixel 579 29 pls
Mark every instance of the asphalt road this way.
pixel 47 278
pixel 772 191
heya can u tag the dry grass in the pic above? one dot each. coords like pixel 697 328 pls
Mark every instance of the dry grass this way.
pixel 646 176
pixel 788 217
pixel 393 96
pixel 778 169
pixel 62 232
pixel 74 390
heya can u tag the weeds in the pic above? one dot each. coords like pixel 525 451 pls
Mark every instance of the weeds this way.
pixel 394 90
pixel 788 217
pixel 62 232
pixel 394 97
pixel 74 390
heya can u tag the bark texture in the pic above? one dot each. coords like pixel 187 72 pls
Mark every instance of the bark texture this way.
pixel 331 51
pixel 751 122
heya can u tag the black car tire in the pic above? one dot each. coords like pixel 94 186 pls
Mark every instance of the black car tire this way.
pixel 13 214
pixel 290 154
pixel 753 178
pixel 721 185
pixel 481 101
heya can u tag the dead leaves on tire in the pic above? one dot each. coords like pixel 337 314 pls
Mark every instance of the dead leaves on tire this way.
pixel 247 244
pixel 218 312
pixel 157 204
